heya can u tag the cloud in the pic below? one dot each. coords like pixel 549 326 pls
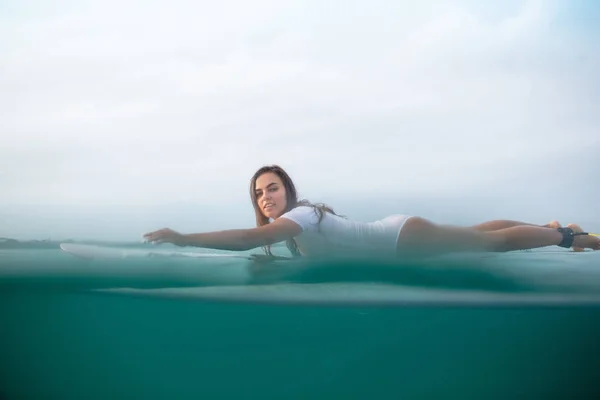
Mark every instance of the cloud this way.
pixel 151 104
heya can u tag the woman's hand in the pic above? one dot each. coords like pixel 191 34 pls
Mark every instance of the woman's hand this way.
pixel 165 235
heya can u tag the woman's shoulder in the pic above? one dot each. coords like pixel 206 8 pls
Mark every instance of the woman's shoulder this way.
pixel 304 215
pixel 300 210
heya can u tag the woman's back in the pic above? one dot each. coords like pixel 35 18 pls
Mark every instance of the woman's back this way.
pixel 338 236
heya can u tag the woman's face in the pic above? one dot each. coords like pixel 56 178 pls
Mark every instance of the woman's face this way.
pixel 270 195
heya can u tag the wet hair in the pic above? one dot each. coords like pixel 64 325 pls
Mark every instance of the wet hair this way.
pixel 292 201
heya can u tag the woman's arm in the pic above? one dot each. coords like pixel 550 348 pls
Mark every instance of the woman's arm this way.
pixel 232 239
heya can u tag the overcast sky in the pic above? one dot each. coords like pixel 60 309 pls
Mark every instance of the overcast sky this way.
pixel 122 116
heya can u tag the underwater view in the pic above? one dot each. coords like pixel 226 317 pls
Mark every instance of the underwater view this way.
pixel 128 320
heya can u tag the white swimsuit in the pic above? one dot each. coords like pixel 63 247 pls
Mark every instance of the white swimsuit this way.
pixel 336 235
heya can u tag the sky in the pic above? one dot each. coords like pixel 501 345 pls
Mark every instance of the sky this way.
pixel 120 117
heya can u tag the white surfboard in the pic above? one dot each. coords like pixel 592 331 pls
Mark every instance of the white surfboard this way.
pixel 192 268
pixel 104 252
pixel 87 251
pixel 355 294
pixel 500 272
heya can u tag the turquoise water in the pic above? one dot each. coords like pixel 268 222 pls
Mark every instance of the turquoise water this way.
pixel 60 340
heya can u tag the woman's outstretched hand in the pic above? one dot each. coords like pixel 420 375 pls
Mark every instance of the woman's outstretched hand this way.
pixel 165 235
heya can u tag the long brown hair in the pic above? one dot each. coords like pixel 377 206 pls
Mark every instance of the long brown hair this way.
pixel 291 199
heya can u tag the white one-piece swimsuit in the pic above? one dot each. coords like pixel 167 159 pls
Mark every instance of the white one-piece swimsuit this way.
pixel 336 235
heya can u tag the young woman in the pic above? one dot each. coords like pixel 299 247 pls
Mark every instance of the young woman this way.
pixel 316 230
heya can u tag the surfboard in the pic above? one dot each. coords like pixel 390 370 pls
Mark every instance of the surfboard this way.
pixel 355 294
pixel 87 251
pixel 516 272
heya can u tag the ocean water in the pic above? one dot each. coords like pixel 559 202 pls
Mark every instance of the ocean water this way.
pixel 63 337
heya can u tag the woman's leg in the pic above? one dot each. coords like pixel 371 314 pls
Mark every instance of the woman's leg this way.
pixel 422 237
pixel 503 224
pixel 576 228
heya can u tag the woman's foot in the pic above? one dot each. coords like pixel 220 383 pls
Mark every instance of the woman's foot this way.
pixel 553 225
pixel 576 228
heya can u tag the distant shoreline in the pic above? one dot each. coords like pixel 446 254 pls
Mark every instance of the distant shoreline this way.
pixel 9 243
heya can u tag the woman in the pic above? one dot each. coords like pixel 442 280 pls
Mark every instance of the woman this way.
pixel 316 230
